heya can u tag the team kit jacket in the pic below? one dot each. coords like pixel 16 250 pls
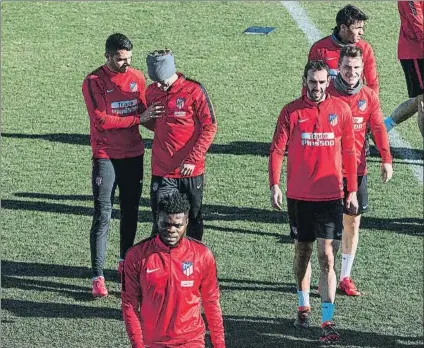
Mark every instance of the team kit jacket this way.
pixel 319 136
pixel 328 49
pixel 114 102
pixel 187 129
pixel 411 35
pixel 163 290
pixel 365 107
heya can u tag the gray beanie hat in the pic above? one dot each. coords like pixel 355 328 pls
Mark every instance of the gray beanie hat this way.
pixel 160 65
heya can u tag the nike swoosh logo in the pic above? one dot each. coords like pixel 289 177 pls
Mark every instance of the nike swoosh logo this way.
pixel 300 121
pixel 330 58
pixel 152 270
pixel 364 207
pixel 199 186
pixel 109 90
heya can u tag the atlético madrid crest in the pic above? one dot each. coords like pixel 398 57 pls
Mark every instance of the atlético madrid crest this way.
pixel 332 119
pixel 133 87
pixel 180 103
pixel 188 268
pixel 362 104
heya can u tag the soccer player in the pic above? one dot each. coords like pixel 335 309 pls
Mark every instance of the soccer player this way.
pixel 181 138
pixel 411 56
pixel 319 132
pixel 167 278
pixel 115 98
pixel 349 29
pixel 365 106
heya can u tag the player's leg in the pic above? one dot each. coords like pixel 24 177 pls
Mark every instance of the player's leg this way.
pixel 103 185
pixel 350 237
pixel 411 69
pixel 193 188
pixel 301 232
pixel 160 187
pixel 129 178
pixel 421 113
pixel 328 230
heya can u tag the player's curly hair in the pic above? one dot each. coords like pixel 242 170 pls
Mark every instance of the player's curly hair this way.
pixel 117 42
pixel 174 203
pixel 349 15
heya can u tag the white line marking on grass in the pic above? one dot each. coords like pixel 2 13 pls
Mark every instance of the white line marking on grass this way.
pixel 313 34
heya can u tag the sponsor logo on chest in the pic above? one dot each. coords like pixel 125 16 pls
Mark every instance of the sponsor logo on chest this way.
pixel 318 139
pixel 358 123
pixel 124 107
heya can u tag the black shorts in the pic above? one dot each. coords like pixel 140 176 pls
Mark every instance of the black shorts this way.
pixel 311 220
pixel 414 75
pixel 362 195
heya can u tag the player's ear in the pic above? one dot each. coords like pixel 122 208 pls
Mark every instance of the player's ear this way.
pixel 107 56
pixel 304 81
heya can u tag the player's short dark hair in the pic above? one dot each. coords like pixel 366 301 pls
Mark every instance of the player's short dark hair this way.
pixel 316 65
pixel 116 42
pixel 349 15
pixel 350 51
pixel 174 203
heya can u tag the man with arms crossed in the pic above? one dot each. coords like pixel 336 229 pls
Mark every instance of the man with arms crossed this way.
pixel 167 278
pixel 115 98
pixel 319 131
pixel 182 136
pixel 411 56
pixel 365 106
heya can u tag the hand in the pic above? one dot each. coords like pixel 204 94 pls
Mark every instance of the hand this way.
pixel 352 204
pixel 276 197
pixel 153 111
pixel 186 169
pixel 386 172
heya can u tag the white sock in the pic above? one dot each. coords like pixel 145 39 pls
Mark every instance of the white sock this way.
pixel 347 263
pixel 303 298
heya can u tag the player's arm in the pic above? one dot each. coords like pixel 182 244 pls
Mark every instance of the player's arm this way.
pixel 131 299
pixel 205 114
pixel 414 14
pixel 96 106
pixel 314 54
pixel 349 160
pixel 276 157
pixel 381 138
pixel 370 70
pixel 209 290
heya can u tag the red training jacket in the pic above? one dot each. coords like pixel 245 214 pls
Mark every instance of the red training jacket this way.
pixel 328 50
pixel 411 35
pixel 114 102
pixel 318 137
pixel 187 129
pixel 365 107
pixel 163 290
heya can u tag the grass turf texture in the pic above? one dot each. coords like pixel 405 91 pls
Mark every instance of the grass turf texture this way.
pixel 48 48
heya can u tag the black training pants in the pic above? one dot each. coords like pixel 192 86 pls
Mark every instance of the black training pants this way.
pixel 127 175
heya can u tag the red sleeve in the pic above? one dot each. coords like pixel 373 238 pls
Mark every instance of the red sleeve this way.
pixel 379 130
pixel 370 70
pixel 414 13
pixel 131 299
pixel 278 147
pixel 348 151
pixel 96 107
pixel 210 298
pixel 206 116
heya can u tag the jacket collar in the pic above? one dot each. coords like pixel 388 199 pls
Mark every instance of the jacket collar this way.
pixel 179 248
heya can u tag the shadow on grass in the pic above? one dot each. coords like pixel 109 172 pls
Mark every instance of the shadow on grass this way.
pixel 410 226
pixel 240 331
pixel 241 148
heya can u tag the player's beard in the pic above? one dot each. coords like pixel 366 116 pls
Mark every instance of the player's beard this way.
pixel 316 95
pixel 123 68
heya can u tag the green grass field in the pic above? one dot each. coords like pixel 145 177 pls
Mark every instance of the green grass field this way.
pixel 47 50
